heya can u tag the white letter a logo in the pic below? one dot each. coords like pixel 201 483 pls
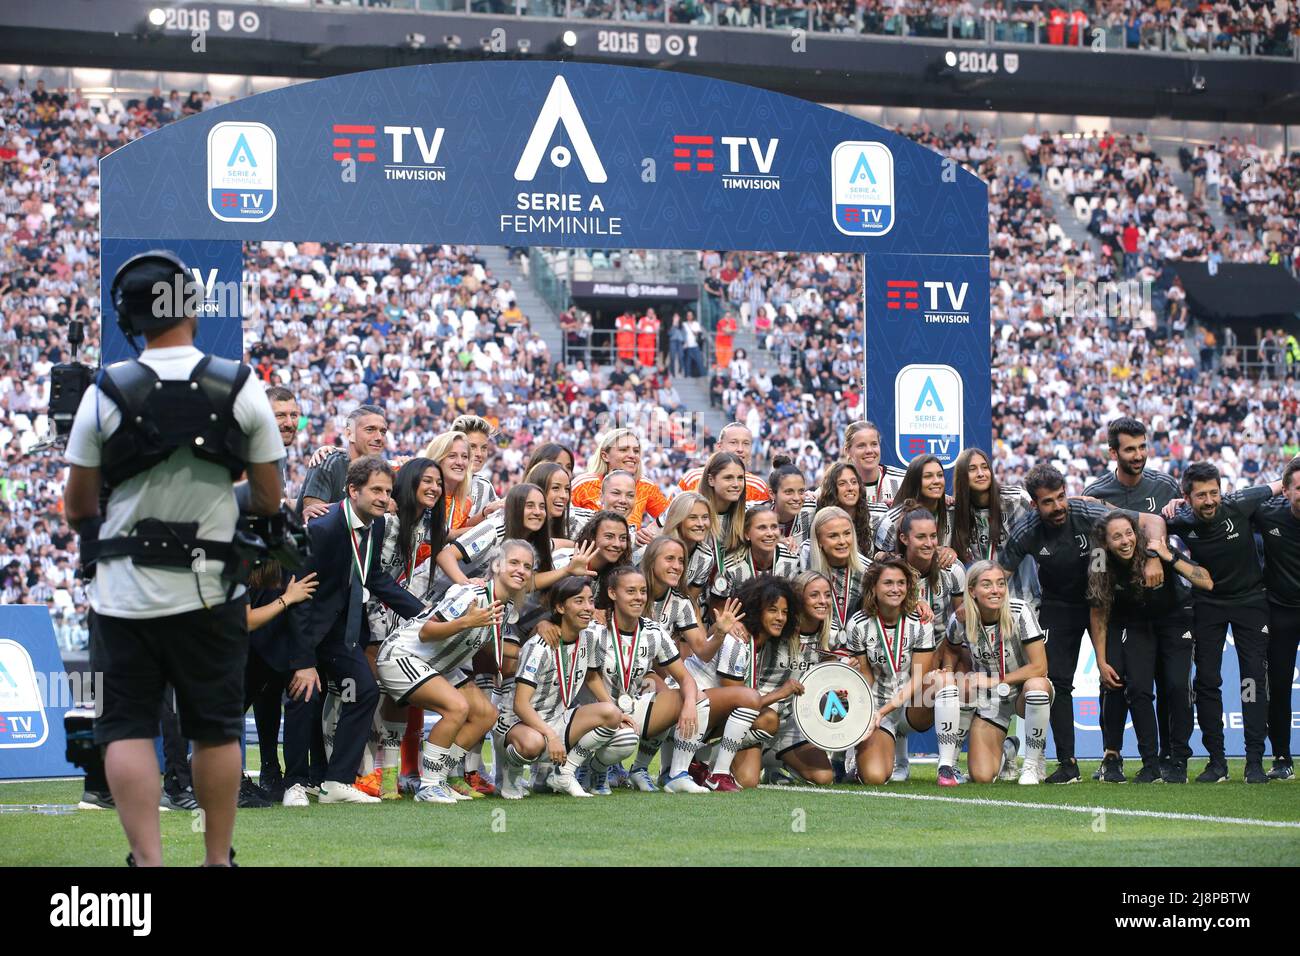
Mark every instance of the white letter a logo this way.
pixel 558 109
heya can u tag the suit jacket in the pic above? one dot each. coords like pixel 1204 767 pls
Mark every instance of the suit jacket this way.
pixel 324 618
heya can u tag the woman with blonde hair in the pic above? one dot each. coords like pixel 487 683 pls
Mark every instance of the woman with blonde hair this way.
pixel 690 520
pixel 1009 677
pixel 450 451
pixel 619 450
pixel 833 550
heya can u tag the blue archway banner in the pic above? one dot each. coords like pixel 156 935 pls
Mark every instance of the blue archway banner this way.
pixel 563 154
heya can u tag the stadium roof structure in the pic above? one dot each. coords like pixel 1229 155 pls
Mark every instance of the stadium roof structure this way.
pixel 1241 293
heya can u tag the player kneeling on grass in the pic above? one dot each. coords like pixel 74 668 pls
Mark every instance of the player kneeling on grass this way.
pixel 425 664
pixel 774 652
pixel 547 720
pixel 760 655
pixel 894 649
pixel 627 649
pixel 1009 677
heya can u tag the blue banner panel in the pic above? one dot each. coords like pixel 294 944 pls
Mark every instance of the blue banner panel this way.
pixel 34 695
pixel 927 344
pixel 541 153
pixel 1087 709
pixel 216 271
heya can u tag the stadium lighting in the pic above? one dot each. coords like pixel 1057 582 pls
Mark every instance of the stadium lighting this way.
pixel 157 16
pixel 570 39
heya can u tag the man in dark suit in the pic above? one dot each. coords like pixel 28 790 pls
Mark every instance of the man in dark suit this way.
pixel 332 630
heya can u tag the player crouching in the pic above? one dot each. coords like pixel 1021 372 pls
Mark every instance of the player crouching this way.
pixel 1010 676
pixel 425 663
pixel 547 720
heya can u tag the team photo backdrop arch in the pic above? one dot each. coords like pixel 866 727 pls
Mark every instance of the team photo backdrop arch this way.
pixel 583 156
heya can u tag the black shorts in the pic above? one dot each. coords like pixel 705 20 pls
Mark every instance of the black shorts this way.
pixel 201 654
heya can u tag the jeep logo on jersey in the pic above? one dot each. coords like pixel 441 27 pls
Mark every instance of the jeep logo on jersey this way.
pixel 560 110
pixel 928 413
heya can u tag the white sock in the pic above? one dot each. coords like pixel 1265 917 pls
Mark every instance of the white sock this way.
pixel 515 758
pixel 740 721
pixel 433 763
pixel 754 738
pixel 902 728
pixel 474 759
pixel 394 730
pixel 684 750
pixel 621 746
pixel 586 748
pixel 456 759
pixel 947 724
pixel 1038 705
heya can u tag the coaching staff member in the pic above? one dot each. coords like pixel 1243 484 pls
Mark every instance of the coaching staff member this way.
pixel 346 545
pixel 167 435
pixel 1217 530
pixel 1278 522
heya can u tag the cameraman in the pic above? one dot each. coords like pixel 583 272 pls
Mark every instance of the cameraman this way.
pixel 167 435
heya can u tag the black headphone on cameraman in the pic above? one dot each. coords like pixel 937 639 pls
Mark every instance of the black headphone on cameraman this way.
pixel 135 301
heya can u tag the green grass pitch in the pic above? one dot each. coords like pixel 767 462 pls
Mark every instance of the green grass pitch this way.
pixel 778 826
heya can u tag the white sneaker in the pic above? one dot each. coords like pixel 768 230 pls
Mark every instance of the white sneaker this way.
pixel 1031 775
pixel 511 785
pixel 1009 772
pixel 682 783
pixel 640 780
pixel 435 793
pixel 561 782
pixel 296 796
pixel 332 791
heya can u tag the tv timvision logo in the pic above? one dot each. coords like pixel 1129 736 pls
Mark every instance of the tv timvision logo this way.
pixel 944 302
pixel 928 413
pixel 412 152
pixel 241 172
pixel 748 161
pixel 862 188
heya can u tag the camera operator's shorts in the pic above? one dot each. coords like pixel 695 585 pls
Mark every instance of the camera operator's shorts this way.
pixel 200 653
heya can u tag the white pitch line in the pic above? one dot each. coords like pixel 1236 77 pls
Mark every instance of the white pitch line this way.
pixel 985 802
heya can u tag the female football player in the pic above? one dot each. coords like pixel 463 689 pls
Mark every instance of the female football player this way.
pixel 546 719
pixel 788 487
pixel 833 550
pixel 894 649
pixel 862 448
pixel 423 663
pixel 418 532
pixel 554 481
pixel 764 658
pixel 762 553
pixel 690 520
pixel 450 451
pixel 840 488
pixel 551 451
pixel 1010 676
pixel 628 649
pixel 982 512
pixel 922 487
pixel 723 487
pixel 620 450
pixel 940 590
